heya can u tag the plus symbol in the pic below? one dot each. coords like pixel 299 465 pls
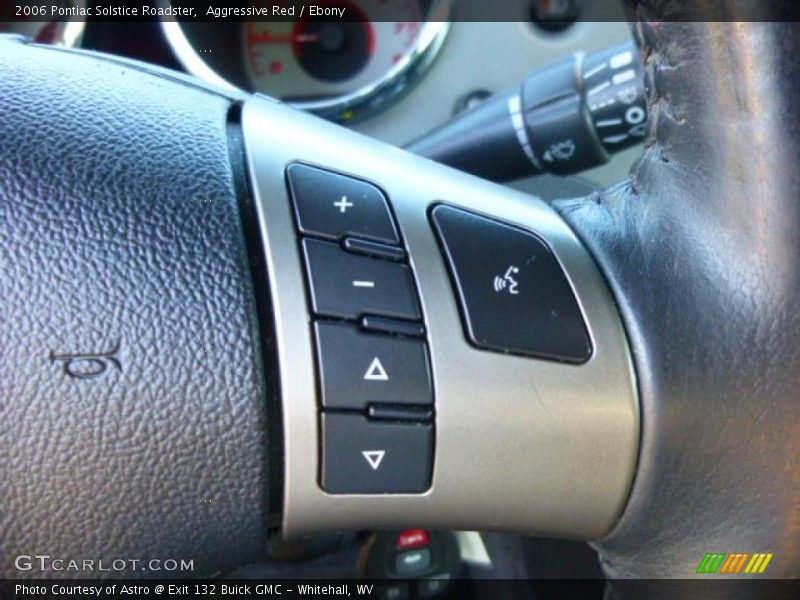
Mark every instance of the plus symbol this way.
pixel 343 204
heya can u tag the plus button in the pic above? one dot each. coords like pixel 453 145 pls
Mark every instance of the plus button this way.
pixel 343 204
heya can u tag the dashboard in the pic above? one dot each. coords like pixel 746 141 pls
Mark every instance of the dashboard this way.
pixel 392 70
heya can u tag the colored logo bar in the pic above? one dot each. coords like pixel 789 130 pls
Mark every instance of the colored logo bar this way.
pixel 737 562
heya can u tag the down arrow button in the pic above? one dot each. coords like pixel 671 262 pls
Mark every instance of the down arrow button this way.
pixel 360 456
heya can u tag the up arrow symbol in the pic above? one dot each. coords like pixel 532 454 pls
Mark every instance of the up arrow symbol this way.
pixel 374 458
pixel 376 372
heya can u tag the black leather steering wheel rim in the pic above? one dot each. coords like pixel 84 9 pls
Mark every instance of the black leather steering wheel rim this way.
pixel 700 248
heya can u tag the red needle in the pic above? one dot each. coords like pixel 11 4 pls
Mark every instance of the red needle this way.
pixel 294 38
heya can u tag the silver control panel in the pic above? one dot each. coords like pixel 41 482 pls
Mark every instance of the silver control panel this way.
pixel 540 442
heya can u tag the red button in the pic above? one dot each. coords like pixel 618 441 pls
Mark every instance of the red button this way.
pixel 411 539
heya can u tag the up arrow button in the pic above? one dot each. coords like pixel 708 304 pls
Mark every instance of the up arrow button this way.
pixel 359 368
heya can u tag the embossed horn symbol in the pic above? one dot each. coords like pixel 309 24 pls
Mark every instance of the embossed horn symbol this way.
pixel 88 365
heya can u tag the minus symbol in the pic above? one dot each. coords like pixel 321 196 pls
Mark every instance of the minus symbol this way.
pixel 364 284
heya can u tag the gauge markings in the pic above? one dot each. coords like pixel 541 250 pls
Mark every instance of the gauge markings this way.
pixel 324 56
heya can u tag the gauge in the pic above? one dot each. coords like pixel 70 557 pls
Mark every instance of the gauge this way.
pixel 323 58
pixel 342 68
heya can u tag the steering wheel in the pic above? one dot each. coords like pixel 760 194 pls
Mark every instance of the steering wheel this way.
pixel 177 356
